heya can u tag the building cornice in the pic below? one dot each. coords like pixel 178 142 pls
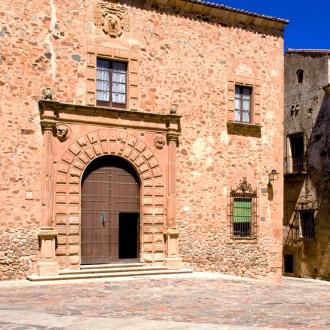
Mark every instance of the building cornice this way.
pixel 225 12
pixel 53 113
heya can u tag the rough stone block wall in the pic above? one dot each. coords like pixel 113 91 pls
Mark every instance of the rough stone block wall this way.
pixel 307 107
pixel 19 251
pixel 186 58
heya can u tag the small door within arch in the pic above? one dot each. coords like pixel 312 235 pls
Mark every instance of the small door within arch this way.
pixel 110 212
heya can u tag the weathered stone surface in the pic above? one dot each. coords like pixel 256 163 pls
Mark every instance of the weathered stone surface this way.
pixel 19 252
pixel 307 106
pixel 176 57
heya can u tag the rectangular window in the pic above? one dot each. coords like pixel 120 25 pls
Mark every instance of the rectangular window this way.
pixel 111 83
pixel 243 104
pixel 242 213
pixel 306 225
pixel 297 153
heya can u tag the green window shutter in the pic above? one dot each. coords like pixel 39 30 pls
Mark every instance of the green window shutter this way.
pixel 242 210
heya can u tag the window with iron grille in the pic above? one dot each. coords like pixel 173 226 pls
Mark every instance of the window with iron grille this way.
pixel 111 83
pixel 243 211
pixel 243 104
pixel 305 230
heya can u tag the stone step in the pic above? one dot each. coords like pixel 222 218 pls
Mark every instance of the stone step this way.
pixel 122 265
pixel 111 269
pixel 128 272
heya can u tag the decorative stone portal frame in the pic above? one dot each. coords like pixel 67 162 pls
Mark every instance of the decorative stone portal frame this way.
pixel 96 132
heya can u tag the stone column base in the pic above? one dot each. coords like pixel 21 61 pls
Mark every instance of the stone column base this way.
pixel 47 266
pixel 172 260
pixel 173 263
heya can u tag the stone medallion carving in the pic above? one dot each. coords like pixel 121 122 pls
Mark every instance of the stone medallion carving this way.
pixel 159 141
pixel 112 18
pixel 62 132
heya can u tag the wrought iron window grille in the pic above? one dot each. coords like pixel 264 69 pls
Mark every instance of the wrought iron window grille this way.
pixel 303 221
pixel 303 226
pixel 243 211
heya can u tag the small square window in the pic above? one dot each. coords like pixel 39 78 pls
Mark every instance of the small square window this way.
pixel 243 104
pixel 111 83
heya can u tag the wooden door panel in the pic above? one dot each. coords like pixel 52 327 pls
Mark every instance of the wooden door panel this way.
pixel 94 233
pixel 108 188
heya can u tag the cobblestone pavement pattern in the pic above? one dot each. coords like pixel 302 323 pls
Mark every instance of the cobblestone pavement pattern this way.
pixel 197 301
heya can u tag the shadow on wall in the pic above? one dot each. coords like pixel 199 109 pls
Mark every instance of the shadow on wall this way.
pixel 311 195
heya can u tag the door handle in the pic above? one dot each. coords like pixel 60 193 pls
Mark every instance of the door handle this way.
pixel 103 218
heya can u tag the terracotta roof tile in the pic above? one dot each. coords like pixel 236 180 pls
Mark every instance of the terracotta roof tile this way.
pixel 221 6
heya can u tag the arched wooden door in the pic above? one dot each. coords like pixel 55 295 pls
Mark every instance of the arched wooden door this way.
pixel 110 212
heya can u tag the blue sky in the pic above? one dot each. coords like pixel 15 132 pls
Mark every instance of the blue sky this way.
pixel 309 20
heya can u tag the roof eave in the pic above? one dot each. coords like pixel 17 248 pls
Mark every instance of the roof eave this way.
pixel 222 11
pixel 321 52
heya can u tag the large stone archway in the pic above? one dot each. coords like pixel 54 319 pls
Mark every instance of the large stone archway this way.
pixel 74 136
pixel 68 192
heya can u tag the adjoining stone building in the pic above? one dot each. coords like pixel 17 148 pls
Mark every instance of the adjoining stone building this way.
pixel 307 163
pixel 144 131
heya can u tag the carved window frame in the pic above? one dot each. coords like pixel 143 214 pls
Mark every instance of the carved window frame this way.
pixel 254 125
pixel 131 57
pixel 247 198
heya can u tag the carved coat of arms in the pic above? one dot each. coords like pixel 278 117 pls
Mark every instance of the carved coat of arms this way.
pixel 112 17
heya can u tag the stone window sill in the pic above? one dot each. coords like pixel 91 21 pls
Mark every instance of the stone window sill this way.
pixel 244 129
pixel 252 240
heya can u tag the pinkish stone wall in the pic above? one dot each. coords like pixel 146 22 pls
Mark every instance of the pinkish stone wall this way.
pixel 188 59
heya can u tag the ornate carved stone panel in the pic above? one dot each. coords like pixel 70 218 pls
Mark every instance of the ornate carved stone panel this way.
pixel 112 17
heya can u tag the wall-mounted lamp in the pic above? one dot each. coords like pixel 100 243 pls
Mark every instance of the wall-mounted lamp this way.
pixel 272 176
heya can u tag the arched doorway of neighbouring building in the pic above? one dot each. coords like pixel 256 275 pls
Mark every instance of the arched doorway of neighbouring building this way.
pixel 110 212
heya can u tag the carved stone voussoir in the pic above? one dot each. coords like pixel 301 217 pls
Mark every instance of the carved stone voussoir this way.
pixel 112 17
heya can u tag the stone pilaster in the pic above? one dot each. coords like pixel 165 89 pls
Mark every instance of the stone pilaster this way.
pixel 173 260
pixel 47 234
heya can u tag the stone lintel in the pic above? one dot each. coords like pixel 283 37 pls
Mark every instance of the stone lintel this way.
pixel 67 112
